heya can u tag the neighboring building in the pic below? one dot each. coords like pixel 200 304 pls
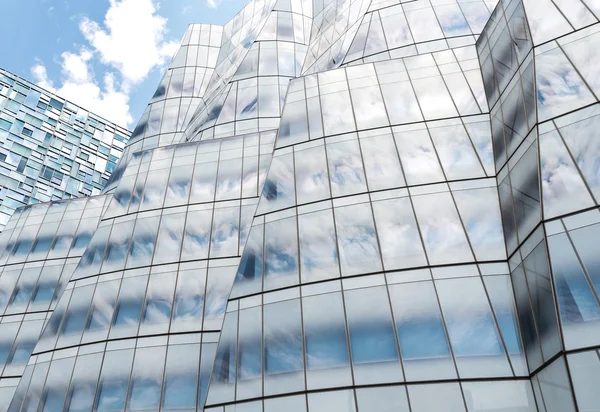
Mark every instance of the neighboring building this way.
pixel 376 206
pixel 51 149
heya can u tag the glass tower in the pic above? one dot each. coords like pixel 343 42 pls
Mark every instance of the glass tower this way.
pixel 348 206
pixel 51 149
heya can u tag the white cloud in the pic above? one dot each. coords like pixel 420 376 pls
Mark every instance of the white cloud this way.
pixel 128 45
pixel 81 87
pixel 213 4
pixel 133 41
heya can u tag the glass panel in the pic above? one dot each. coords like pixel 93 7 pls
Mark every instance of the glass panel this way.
pixel 456 152
pixel 480 212
pixel 345 168
pixel 114 380
pixel 116 251
pixel 75 318
pixel 225 232
pixel 421 332
pixel 278 191
pixel 579 311
pixel 129 307
pixel 142 244
pixel 154 191
pixel 57 384
pixel 206 367
pixel 312 182
pixel 146 378
pixel 101 312
pixel 339 401
pixel 197 235
pixel 582 141
pixel 218 287
pixel 281 254
pixel 338 116
pixel 384 399
pixel 204 182
pixel 401 244
pixel 585 372
pixel 499 289
pixel 434 99
pixel 181 377
pixel 472 329
pixel 159 302
pixel 584 241
pixel 189 300
pixel 222 384
pixel 382 165
pixel 229 183
pixel 441 228
pixel 83 383
pixel 436 397
pixel 169 238
pixel 562 187
pixel 418 156
pixel 179 185
pixel 359 251
pixel 249 277
pixel 372 336
pixel 288 403
pixel 318 251
pixel 325 337
pixel 368 105
pixel 554 72
pixel 283 361
pixel 556 389
pixel 249 367
pixel 494 396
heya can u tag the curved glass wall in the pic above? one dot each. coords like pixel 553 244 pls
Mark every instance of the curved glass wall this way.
pixel 384 206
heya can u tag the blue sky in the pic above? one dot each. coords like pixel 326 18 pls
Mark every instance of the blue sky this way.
pixel 105 55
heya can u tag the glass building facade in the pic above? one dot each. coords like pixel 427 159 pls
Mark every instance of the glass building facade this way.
pixel 51 149
pixel 332 206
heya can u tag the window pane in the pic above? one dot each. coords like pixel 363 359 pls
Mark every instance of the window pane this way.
pixel 359 251
pixel 318 249
pixel 372 336
pixel 281 253
pixel 472 329
pixel 181 377
pixel 189 300
pixel 326 342
pixel 114 381
pixel 146 378
pixel 423 343
pixel 284 364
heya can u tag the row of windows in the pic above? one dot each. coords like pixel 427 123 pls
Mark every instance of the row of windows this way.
pixel 18 337
pixel 358 237
pixel 176 378
pixel 194 173
pixel 132 304
pixel 252 97
pixel 181 234
pixel 389 29
pixel 428 87
pixel 169 377
pixel 551 392
pixel 432 331
pixel 378 160
pixel 34 289
pixel 393 30
pixel 51 230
